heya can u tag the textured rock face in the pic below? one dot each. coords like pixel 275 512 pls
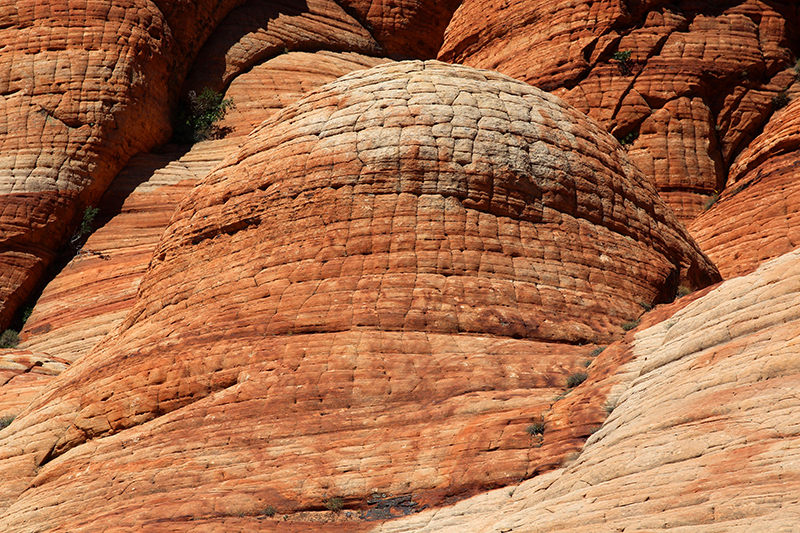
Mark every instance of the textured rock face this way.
pixel 405 28
pixel 703 437
pixel 258 31
pixel 364 299
pixel 696 87
pixel 756 218
pixel 84 88
pixel 272 85
pixel 95 291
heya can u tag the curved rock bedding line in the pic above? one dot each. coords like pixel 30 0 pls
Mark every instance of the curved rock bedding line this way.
pixel 685 84
pixel 756 218
pixel 378 293
pixel 703 437
pixel 84 87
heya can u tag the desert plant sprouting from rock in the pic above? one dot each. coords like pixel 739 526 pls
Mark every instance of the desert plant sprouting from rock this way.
pixel 6 421
pixel 623 59
pixel 9 339
pixel 197 118
pixel 334 504
pixel 576 379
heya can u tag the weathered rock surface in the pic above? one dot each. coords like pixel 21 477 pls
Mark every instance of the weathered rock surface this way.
pixel 704 435
pixel 378 293
pixel 757 217
pixel 95 291
pixel 23 374
pixel 272 85
pixel 405 28
pixel 696 86
pixel 84 87
pixel 259 31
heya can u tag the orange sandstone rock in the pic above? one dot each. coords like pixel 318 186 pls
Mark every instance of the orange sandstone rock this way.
pixel 686 84
pixel 703 435
pixel 756 217
pixel 405 28
pixel 259 31
pixel 85 86
pixel 378 293
pixel 272 85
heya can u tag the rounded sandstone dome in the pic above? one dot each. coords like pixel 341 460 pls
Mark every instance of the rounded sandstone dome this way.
pixel 430 197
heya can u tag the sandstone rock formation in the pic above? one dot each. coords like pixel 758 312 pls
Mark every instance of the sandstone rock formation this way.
pixel 703 435
pixel 405 28
pixel 687 84
pixel 756 218
pixel 84 87
pixel 258 31
pixel 282 80
pixel 94 292
pixel 378 293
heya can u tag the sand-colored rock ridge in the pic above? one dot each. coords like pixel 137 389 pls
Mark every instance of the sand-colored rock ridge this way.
pixel 377 294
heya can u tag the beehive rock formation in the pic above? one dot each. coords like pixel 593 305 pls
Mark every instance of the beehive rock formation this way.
pixel 756 218
pixel 378 292
pixel 695 88
pixel 703 436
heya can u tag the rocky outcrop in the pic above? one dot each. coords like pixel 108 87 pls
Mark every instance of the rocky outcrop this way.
pixel 272 85
pixel 405 28
pixel 95 290
pixel 703 435
pixel 686 85
pixel 756 217
pixel 23 374
pixel 259 31
pixel 377 294
pixel 93 293
pixel 84 88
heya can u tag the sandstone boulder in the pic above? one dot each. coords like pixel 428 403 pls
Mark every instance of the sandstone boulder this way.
pixel 377 294
pixel 685 84
pixel 258 31
pixel 405 28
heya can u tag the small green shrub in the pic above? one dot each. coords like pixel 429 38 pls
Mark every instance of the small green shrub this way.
pixel 6 421
pixel 85 228
pixel 26 314
pixel 597 351
pixel 646 306
pixel 576 379
pixel 622 56
pixel 710 201
pixel 623 59
pixel 334 504
pixel 780 100
pixel 196 119
pixel 269 510
pixel 628 139
pixel 9 339
pixel 609 407
pixel 627 326
pixel 537 428
pixel 683 290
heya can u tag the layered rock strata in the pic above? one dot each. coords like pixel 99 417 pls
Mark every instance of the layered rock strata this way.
pixel 84 87
pixel 379 293
pixel 687 85
pixel 703 435
pixel 756 217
